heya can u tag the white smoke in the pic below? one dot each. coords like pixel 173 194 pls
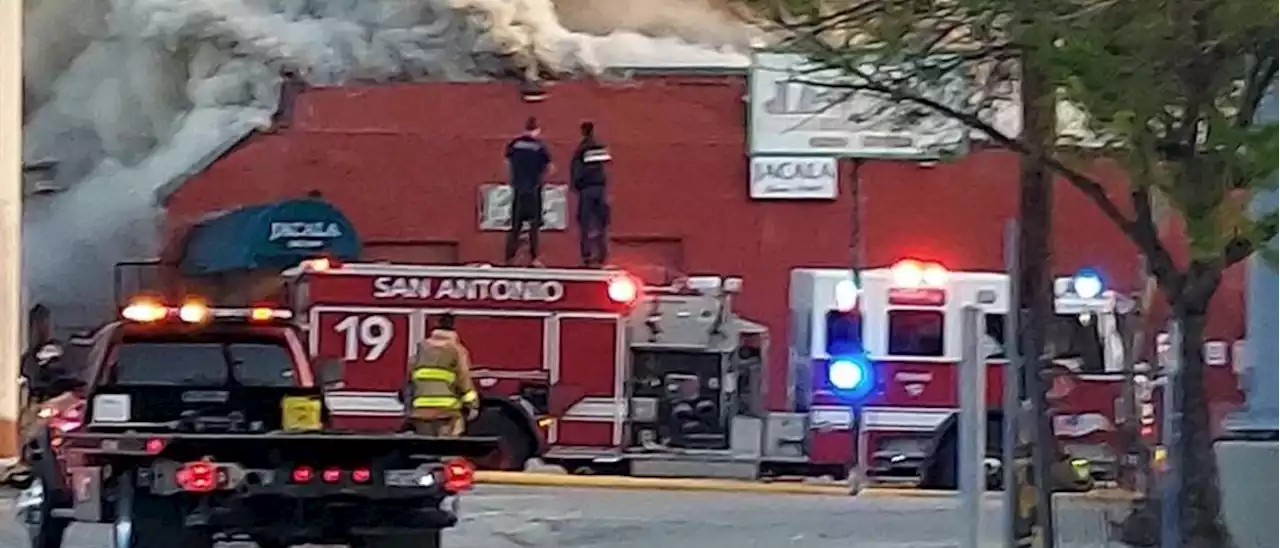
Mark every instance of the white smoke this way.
pixel 130 95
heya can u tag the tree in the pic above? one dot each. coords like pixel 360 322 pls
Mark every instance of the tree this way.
pixel 1165 89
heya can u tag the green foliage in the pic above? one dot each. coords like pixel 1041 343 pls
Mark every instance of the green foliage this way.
pixel 1170 89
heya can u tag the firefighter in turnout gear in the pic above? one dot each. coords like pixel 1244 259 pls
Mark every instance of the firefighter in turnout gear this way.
pixel 440 392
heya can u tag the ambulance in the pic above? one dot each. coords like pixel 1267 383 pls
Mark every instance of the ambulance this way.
pixel 876 366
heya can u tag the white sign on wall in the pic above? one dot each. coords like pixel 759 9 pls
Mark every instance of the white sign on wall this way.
pixel 495 206
pixel 794 177
pixel 792 114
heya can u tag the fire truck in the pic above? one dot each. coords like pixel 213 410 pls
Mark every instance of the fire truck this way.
pixel 876 366
pixel 587 369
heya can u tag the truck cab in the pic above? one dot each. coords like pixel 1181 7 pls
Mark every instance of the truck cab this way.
pixel 198 425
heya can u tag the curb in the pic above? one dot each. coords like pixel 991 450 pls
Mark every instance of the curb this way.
pixel 536 479
pixel 659 484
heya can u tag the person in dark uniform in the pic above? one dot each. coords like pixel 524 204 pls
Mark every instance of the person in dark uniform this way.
pixel 588 177
pixel 528 161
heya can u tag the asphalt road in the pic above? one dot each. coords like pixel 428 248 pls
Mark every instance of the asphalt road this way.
pixel 511 517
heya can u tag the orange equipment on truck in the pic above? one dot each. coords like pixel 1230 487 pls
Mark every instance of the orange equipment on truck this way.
pixel 582 368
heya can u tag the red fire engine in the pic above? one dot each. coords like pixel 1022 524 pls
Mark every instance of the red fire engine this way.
pixel 583 368
pixel 890 352
pixel 589 370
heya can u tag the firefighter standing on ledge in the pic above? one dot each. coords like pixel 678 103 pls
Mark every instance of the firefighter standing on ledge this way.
pixel 439 388
pixel 589 178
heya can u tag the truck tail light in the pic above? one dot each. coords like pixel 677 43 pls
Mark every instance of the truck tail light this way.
pixel 361 475
pixel 331 475
pixel 154 446
pixel 198 477
pixel 303 474
pixel 459 475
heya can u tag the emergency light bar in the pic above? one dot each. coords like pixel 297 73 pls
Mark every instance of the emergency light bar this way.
pixel 917 283
pixel 195 312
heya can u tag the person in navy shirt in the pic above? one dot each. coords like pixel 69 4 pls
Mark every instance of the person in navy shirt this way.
pixel 589 177
pixel 528 161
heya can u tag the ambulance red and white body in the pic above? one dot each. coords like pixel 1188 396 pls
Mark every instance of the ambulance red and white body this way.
pixel 906 325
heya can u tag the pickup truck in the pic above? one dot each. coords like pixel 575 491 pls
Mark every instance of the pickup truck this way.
pixel 197 425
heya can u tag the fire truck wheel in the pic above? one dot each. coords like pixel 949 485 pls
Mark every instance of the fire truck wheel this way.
pixel 514 445
pixel 417 540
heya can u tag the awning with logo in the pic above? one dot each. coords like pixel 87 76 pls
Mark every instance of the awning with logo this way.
pixel 277 235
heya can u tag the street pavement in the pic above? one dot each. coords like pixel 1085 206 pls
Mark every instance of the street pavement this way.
pixel 536 517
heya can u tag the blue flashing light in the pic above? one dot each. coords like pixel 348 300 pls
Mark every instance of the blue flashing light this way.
pixel 851 377
pixel 1087 283
pixel 845 374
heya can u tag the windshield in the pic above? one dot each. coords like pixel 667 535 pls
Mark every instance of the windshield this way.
pixel 1071 337
pixel 199 363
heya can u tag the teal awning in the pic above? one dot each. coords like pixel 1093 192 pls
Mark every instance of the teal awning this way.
pixel 277 235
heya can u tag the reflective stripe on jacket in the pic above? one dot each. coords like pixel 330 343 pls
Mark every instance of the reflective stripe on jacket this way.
pixel 441 377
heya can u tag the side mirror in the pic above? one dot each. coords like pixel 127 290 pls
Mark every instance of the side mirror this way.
pixel 329 373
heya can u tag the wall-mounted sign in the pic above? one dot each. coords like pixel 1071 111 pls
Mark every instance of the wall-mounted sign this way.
pixel 794 177
pixel 798 109
pixel 495 206
pixel 463 289
pixel 304 234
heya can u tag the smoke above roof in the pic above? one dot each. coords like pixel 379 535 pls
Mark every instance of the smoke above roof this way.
pixel 128 95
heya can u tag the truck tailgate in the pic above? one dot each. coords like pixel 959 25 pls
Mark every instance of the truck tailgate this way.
pixel 282 446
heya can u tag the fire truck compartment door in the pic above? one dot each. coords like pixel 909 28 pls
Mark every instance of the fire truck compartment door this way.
pixel 590 365
pixel 376 344
pixel 507 348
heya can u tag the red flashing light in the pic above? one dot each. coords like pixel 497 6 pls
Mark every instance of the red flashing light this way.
pixel 914 274
pixel 303 474
pixel 459 475
pixel 198 477
pixel 320 264
pixel 623 290
pixel 154 446
pixel 331 475
pixel 361 475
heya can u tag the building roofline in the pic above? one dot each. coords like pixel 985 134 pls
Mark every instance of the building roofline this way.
pixel 678 70
pixel 162 194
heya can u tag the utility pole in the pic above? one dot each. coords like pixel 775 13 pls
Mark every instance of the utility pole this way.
pixel 1039 129
pixel 11 315
pixel 857 246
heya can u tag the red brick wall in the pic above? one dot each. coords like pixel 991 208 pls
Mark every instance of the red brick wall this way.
pixel 404 162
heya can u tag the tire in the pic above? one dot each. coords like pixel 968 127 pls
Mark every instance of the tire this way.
pixel 514 445
pixel 43 530
pixel 426 539
pixel 143 520
pixel 46 492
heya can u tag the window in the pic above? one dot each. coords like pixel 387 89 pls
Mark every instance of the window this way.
pixel 992 345
pixel 202 363
pixel 1075 337
pixel 844 333
pixel 170 364
pixel 916 333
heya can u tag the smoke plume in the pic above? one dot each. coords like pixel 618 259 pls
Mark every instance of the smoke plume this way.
pixel 127 96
